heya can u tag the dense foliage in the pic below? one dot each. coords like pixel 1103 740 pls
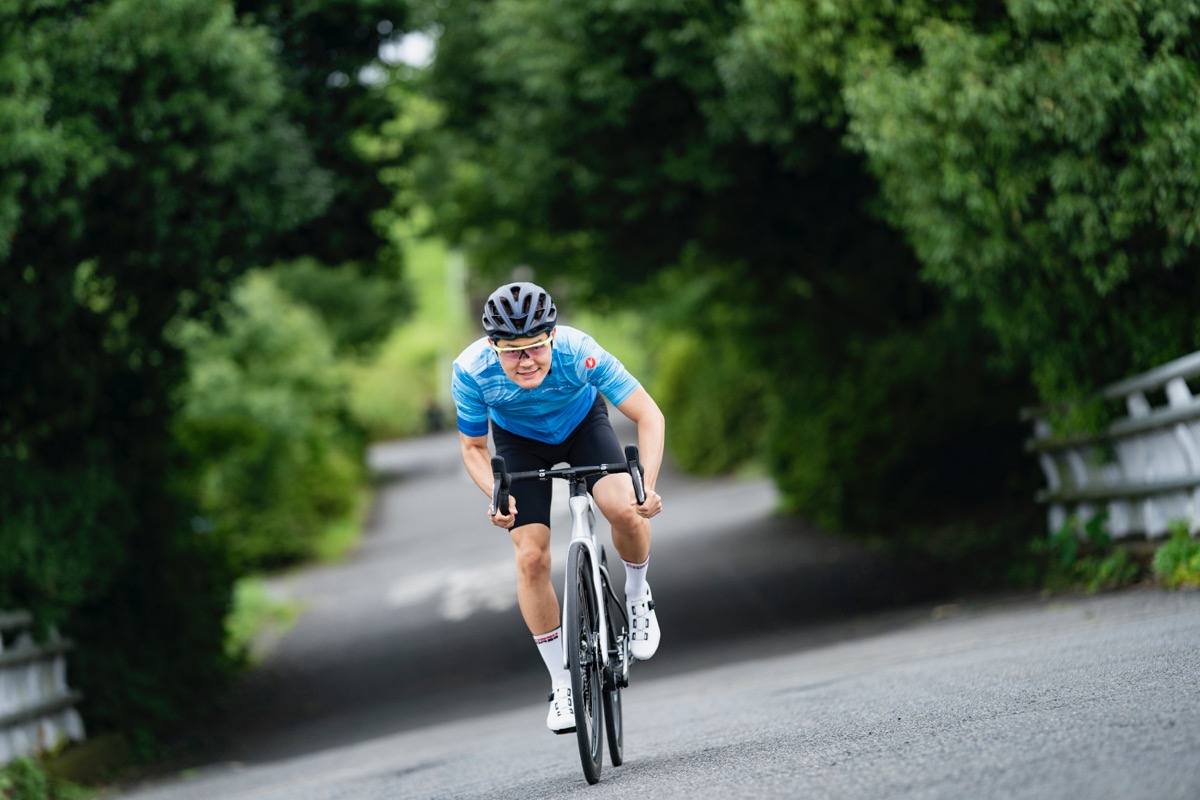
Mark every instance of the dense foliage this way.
pixel 151 152
pixel 1039 157
pixel 158 164
pixel 334 84
pixel 887 226
pixel 618 140
pixel 263 420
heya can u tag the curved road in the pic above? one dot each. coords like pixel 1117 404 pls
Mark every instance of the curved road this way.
pixel 792 665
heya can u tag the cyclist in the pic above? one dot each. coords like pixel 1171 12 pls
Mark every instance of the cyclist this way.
pixel 542 387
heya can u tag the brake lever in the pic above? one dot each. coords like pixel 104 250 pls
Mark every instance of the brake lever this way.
pixel 635 472
pixel 500 486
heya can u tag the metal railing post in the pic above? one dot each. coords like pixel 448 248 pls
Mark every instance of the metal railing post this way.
pixel 1143 470
pixel 37 708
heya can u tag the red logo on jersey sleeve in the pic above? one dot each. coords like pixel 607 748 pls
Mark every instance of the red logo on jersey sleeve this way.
pixel 590 363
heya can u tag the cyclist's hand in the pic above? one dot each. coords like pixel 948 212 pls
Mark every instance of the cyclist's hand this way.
pixel 504 520
pixel 651 508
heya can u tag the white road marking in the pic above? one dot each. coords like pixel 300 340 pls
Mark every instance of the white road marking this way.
pixel 460 593
pixel 414 590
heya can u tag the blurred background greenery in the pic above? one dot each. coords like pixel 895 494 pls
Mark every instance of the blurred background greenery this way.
pixel 843 243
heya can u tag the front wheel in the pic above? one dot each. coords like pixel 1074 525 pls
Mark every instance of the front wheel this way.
pixel 583 659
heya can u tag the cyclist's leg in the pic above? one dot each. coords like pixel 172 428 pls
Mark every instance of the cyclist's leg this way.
pixel 531 534
pixel 535 591
pixel 531 546
pixel 631 538
pixel 630 533
pixel 540 609
pixel 595 442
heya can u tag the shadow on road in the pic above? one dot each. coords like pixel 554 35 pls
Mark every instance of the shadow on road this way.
pixel 732 581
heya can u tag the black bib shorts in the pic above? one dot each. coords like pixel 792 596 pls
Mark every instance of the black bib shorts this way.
pixel 592 442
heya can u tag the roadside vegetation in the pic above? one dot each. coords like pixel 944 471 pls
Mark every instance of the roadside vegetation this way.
pixel 1177 562
pixel 1084 558
pixel 27 779
pixel 842 243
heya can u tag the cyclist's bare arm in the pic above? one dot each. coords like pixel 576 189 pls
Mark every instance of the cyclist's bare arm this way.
pixel 641 409
pixel 478 461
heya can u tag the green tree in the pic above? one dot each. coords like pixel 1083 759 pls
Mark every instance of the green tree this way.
pixel 616 141
pixel 147 162
pixel 334 83
pixel 358 307
pixel 1037 155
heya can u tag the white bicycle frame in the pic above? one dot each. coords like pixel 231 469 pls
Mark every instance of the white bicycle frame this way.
pixel 583 534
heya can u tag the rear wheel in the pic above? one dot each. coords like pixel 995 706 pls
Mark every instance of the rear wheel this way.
pixel 613 721
pixel 583 659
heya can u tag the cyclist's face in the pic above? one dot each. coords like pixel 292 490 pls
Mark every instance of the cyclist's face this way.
pixel 526 361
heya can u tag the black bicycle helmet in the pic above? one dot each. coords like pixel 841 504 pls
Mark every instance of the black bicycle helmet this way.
pixel 518 310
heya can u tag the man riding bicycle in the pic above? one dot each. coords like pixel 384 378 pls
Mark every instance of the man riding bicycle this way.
pixel 542 387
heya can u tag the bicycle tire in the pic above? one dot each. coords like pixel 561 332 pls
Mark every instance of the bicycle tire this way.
pixel 614 724
pixel 584 661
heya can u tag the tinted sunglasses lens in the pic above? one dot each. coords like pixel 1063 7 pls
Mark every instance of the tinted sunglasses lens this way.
pixel 517 355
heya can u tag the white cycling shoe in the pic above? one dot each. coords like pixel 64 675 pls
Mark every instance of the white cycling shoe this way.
pixel 643 627
pixel 561 718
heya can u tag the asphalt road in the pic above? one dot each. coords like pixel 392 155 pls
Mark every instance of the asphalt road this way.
pixel 792 665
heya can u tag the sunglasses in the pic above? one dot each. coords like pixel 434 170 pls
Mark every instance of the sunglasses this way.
pixel 517 353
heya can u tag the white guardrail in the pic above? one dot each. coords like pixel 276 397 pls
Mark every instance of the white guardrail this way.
pixel 37 709
pixel 1144 469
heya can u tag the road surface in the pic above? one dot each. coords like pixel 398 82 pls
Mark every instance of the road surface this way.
pixel 792 665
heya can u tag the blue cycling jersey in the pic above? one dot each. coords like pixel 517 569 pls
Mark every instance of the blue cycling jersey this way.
pixel 579 369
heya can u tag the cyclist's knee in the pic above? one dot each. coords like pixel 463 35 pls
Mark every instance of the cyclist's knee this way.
pixel 533 553
pixel 625 520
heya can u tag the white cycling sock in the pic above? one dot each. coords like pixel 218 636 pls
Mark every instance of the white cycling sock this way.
pixel 635 580
pixel 550 646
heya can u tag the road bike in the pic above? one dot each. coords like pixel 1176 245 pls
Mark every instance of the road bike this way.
pixel 595 625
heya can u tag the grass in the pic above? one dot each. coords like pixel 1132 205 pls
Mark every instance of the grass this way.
pixel 257 620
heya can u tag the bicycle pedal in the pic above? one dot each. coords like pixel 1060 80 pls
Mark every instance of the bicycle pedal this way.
pixel 565 730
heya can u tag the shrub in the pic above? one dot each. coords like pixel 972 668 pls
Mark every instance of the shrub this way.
pixel 1177 562
pixel 358 310
pixel 393 394
pixel 712 400
pixel 264 419
pixel 26 779
pixel 1084 557
pixel 912 432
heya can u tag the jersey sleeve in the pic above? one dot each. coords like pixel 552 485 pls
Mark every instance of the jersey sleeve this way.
pixel 468 403
pixel 603 370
